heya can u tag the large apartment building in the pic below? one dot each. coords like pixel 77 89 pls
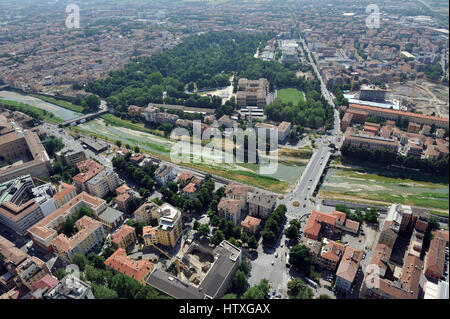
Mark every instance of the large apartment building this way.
pixel 434 261
pixel 70 157
pixel 169 228
pixel 283 130
pixel 66 193
pixel 18 208
pixel 90 235
pixel 120 262
pixel 330 254
pixel 230 209
pixel 164 174
pixel 124 237
pixel 261 204
pixel 348 268
pixel 146 212
pixel 46 230
pixel 26 151
pixel 394 115
pixel 363 140
pixel 252 92
pixel 95 179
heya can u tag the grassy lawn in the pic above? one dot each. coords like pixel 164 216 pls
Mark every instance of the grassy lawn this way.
pixel 397 173
pixel 62 103
pixel 290 95
pixel 115 121
pixel 246 177
pixel 32 111
pixel 386 187
pixel 301 153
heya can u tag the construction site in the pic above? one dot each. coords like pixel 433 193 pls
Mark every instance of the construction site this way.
pixel 198 271
pixel 192 262
pixel 422 96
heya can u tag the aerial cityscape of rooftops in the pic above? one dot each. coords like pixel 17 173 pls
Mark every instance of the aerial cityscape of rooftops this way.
pixel 224 149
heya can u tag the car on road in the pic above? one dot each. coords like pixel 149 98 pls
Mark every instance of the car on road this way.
pixel 364 256
pixel 276 255
pixel 272 262
pixel 321 163
pixel 304 205
pixel 309 187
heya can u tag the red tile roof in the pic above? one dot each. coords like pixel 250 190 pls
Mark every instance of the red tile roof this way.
pixel 88 169
pixel 332 251
pixel 122 189
pixel 185 176
pixel 48 281
pixel 435 258
pixel 339 215
pixel 121 234
pixel 120 262
pixel 250 221
pixel 417 115
pixel 349 264
pixel 190 188
pixel 315 220
pixel 67 188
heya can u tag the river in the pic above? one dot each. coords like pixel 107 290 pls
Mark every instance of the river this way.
pixel 59 111
pixel 162 146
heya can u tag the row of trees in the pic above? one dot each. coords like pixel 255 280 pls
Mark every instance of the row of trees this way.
pixel 370 215
pixel 259 291
pixel 273 225
pixel 387 157
pixel 292 231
